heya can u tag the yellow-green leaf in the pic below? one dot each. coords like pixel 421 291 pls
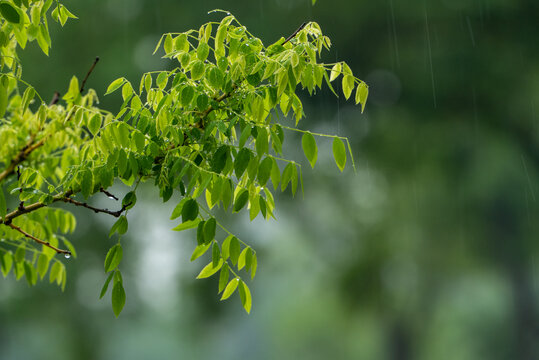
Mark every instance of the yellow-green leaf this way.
pixel 335 71
pixel 245 296
pixel 230 288
pixel 115 85
pixel 339 153
pixel 347 85
pixel 309 148
pixel 209 270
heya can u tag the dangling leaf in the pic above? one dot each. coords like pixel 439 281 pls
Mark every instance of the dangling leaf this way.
pixel 309 148
pixel 339 153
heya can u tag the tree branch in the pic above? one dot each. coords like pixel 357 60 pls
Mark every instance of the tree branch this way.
pixel 21 156
pixel 21 210
pixel 294 33
pixel 55 98
pixel 44 243
pixel 108 194
pixel 94 209
pixel 88 74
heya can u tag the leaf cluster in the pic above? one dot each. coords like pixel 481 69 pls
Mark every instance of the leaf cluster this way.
pixel 211 129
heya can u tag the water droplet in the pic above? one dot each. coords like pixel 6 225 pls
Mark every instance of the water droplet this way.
pixel 228 13
pixel 67 255
pixel 111 197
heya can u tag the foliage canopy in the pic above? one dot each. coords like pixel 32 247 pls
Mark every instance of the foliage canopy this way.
pixel 209 129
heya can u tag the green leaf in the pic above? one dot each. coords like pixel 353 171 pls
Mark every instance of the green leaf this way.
pixel 42 265
pixel 287 175
pixel 234 250
pixel 162 80
pixel 94 124
pixel 20 253
pixel 87 184
pixel 115 85
pixel 30 273
pixel 245 258
pixel 215 254
pixel 203 51
pixel 223 277
pixel 245 133
pixel 167 46
pixel 3 207
pixel 55 271
pixel 209 230
pixel 309 148
pixel 362 92
pixel 186 95
pixel 245 296
pixel 254 266
pixel 200 233
pixel 3 94
pixel 197 70
pixel 118 298
pixel 241 200
pixel 335 71
pixel 225 248
pixel 241 161
pixel 120 226
pixel 218 160
pixel 28 95
pixel 114 257
pixel 262 141
pixel 339 153
pixel 209 270
pixel 275 174
pixel 215 78
pixel 347 85
pixel 106 285
pixel 264 170
pixel 181 43
pixel 230 288
pixel 187 225
pixel 9 12
pixel 7 263
pixel 199 251
pixel 190 210
pixel 178 209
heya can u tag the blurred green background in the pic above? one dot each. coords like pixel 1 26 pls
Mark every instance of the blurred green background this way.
pixel 428 251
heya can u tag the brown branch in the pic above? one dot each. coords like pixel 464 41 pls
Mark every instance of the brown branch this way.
pixel 94 209
pixel 294 33
pixel 21 210
pixel 44 243
pixel 55 98
pixel 22 155
pixel 108 194
pixel 88 74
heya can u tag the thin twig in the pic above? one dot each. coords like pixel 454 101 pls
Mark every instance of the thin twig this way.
pixel 96 210
pixel 108 194
pixel 45 243
pixel 88 74
pixel 21 156
pixel 55 98
pixel 32 207
pixel 295 33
